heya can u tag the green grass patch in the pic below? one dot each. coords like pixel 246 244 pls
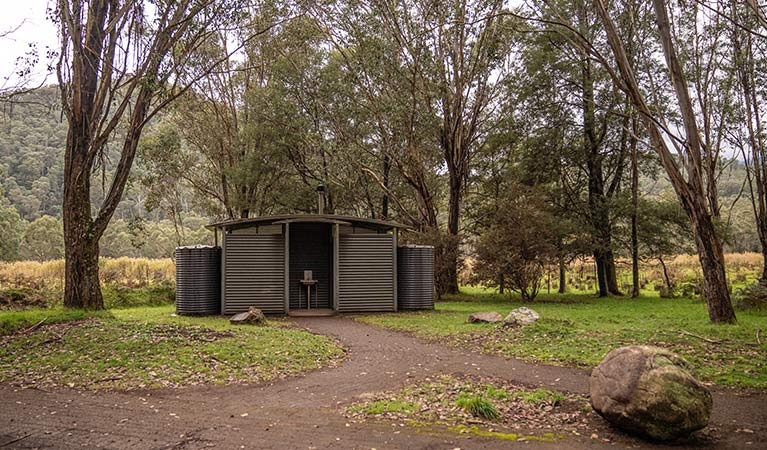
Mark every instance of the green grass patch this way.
pixel 578 330
pixel 478 406
pixel 541 396
pixel 380 407
pixel 496 393
pixel 150 347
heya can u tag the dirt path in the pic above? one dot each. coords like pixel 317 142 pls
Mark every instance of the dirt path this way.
pixel 305 412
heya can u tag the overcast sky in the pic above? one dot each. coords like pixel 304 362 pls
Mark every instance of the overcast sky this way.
pixel 33 27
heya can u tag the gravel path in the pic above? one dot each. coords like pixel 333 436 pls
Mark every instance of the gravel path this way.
pixel 305 412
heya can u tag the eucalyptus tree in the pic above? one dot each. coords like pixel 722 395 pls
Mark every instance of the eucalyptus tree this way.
pixel 120 62
pixel 387 82
pixel 231 154
pixel 686 169
pixel 570 101
pixel 749 58
pixel 435 85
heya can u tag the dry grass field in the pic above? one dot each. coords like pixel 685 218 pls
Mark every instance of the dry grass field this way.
pixel 126 282
pixel 683 273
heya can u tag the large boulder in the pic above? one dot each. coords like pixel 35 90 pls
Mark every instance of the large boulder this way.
pixel 649 391
pixel 252 316
pixel 486 317
pixel 521 317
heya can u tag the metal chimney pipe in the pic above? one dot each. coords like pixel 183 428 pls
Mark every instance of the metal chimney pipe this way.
pixel 321 199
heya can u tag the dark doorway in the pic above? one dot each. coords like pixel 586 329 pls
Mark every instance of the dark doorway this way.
pixel 311 248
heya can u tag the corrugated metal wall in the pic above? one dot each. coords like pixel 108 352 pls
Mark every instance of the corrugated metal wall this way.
pixel 254 273
pixel 198 280
pixel 415 277
pixel 310 249
pixel 366 272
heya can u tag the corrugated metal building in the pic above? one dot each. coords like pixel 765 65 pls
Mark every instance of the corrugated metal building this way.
pixel 265 263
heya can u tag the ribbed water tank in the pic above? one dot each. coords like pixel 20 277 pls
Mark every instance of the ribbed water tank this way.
pixel 198 280
pixel 415 277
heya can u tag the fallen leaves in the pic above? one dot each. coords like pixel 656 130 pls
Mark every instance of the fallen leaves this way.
pixel 129 354
pixel 520 408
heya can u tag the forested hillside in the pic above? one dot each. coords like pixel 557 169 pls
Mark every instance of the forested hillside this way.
pixel 33 135
pixel 32 139
pixel 503 135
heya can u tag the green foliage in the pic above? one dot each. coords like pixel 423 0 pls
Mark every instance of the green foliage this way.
pixel 43 239
pixel 478 406
pixel 518 243
pixel 752 297
pixel 25 297
pixel 11 230
pixel 123 297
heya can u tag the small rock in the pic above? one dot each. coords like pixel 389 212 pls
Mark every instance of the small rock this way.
pixel 649 391
pixel 485 317
pixel 521 317
pixel 253 316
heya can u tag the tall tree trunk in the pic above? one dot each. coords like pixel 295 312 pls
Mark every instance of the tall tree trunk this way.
pixel 755 157
pixel 385 199
pixel 763 279
pixel 714 275
pixel 634 211
pixel 599 262
pixel 666 277
pixel 562 277
pixel 689 190
pixel 81 268
pixel 598 207
pixel 451 252
pixel 610 271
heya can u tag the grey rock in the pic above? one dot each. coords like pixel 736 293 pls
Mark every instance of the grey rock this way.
pixel 649 391
pixel 521 316
pixel 485 317
pixel 253 316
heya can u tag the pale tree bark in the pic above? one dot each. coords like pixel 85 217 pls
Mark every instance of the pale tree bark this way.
pixel 110 73
pixel 690 191
pixel 755 150
pixel 465 91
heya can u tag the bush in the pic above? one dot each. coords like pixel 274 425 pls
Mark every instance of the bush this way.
pixel 752 297
pixel 124 297
pixel 665 292
pixel 23 298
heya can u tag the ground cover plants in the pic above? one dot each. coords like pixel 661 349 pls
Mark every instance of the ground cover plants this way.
pixel 150 347
pixel 578 330
pixel 483 406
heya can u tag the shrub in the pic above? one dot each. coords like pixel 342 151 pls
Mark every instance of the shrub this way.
pixel 22 298
pixel 478 406
pixel 665 292
pixel 124 297
pixel 752 297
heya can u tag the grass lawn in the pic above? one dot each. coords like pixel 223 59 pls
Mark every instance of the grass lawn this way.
pixel 578 330
pixel 149 347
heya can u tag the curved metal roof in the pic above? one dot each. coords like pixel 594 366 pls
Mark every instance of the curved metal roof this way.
pixel 306 218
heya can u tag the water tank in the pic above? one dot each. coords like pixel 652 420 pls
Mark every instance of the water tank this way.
pixel 415 277
pixel 198 280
